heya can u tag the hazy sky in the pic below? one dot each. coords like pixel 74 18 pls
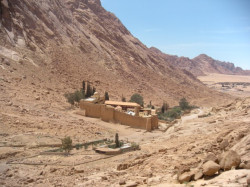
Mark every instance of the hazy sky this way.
pixel 218 28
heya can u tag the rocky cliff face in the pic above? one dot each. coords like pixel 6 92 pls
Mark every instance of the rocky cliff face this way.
pixel 58 44
pixel 201 64
pixel 209 65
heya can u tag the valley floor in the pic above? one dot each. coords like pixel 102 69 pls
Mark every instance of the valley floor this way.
pixel 29 130
pixel 236 85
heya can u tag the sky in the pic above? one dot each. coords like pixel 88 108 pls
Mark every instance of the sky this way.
pixel 218 28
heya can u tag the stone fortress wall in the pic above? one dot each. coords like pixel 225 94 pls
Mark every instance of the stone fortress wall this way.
pixel 109 114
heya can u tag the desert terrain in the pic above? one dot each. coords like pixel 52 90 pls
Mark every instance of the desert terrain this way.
pixel 51 47
pixel 163 153
pixel 236 85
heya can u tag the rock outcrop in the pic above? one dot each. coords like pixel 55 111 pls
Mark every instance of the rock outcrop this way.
pixel 230 160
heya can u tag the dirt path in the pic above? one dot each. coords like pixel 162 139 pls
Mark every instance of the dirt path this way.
pixel 185 119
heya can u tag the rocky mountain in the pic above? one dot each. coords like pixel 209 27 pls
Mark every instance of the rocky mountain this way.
pixel 209 65
pixel 201 64
pixel 56 44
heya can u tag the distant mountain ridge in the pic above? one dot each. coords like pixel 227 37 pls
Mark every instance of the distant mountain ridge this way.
pixel 210 65
pixel 201 64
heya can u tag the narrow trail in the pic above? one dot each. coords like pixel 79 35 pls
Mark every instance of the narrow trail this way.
pixel 185 119
pixel 183 122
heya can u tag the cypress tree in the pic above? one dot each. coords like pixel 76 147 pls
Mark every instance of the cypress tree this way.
pixel 83 87
pixel 89 90
pixel 164 107
pixel 106 96
pixel 117 143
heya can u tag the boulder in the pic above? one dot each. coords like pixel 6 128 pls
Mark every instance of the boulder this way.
pixel 210 168
pixel 198 175
pixel 230 159
pixel 211 156
pixel 185 177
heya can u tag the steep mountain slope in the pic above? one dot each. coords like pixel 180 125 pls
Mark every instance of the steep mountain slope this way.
pixel 57 44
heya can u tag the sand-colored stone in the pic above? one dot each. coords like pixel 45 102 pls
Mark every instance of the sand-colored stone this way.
pixel 210 168
pixel 230 159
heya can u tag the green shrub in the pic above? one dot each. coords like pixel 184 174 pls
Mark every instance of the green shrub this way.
pixel 74 97
pixel 135 146
pixel 174 112
pixel 66 144
pixel 184 104
pixel 70 98
pixel 171 114
pixel 137 98
pixel 78 146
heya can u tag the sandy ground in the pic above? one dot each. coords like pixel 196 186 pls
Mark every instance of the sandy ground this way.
pixel 214 78
pixel 235 85
pixel 34 117
pixel 163 151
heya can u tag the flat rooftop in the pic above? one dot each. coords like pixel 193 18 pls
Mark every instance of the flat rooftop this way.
pixel 124 104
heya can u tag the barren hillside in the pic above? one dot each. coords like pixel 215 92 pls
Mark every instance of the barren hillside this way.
pixel 56 44
pixel 200 65
pixel 210 65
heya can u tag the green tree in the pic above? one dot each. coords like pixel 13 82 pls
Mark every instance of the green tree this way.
pixel 66 144
pixel 117 143
pixel 83 88
pixel 137 98
pixel 78 95
pixel 164 107
pixel 106 96
pixel 89 90
pixel 123 99
pixel 184 104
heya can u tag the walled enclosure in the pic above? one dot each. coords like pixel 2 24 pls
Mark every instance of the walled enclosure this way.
pixel 109 114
